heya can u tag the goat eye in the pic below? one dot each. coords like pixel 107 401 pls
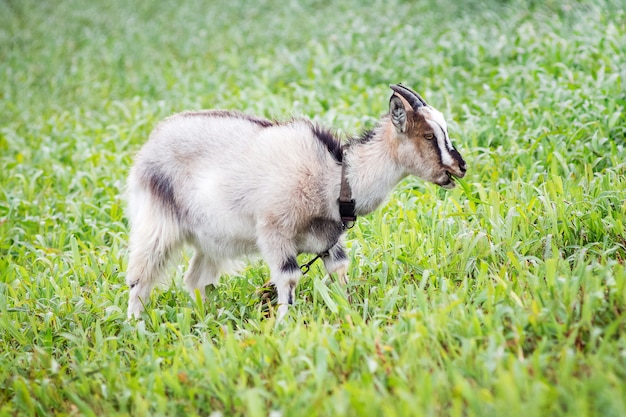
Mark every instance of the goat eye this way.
pixel 428 136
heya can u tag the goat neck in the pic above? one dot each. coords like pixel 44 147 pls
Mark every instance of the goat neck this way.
pixel 371 167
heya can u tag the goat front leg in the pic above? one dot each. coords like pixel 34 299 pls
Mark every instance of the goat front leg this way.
pixel 337 262
pixel 280 254
pixel 285 281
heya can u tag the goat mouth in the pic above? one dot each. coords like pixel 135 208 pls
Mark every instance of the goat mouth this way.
pixel 449 182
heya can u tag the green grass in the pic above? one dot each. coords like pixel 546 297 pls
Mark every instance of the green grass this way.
pixel 503 297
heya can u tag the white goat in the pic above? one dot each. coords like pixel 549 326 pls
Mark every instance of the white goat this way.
pixel 231 185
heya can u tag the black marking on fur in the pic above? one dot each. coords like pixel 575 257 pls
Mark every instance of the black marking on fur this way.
pixel 326 230
pixel 259 121
pixel 337 253
pixel 329 140
pixel 290 265
pixel 456 155
pixel 453 152
pixel 231 115
pixel 162 188
pixel 366 136
pixel 292 286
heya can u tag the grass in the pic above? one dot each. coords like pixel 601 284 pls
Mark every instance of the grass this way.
pixel 504 296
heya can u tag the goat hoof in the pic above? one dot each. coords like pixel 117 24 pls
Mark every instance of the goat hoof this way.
pixel 282 312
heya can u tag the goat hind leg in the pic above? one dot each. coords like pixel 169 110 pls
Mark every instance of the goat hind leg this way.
pixel 151 245
pixel 145 267
pixel 203 271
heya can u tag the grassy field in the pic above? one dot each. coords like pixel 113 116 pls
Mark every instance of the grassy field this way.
pixel 503 297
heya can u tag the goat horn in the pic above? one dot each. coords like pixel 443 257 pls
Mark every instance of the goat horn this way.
pixel 414 99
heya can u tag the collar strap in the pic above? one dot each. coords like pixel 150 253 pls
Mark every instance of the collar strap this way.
pixel 347 206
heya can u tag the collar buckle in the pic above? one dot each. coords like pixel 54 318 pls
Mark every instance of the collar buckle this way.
pixel 347 212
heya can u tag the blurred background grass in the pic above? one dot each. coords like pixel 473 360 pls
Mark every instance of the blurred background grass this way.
pixel 505 296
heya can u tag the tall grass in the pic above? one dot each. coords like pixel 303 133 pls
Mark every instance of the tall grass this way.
pixel 504 296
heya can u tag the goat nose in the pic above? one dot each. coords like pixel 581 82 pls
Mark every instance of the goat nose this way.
pixel 462 169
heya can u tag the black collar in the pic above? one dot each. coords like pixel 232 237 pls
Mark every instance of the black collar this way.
pixel 347 206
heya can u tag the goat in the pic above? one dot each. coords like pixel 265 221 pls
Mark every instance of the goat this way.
pixel 232 184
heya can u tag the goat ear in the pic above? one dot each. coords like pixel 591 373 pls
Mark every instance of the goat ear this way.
pixel 398 113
